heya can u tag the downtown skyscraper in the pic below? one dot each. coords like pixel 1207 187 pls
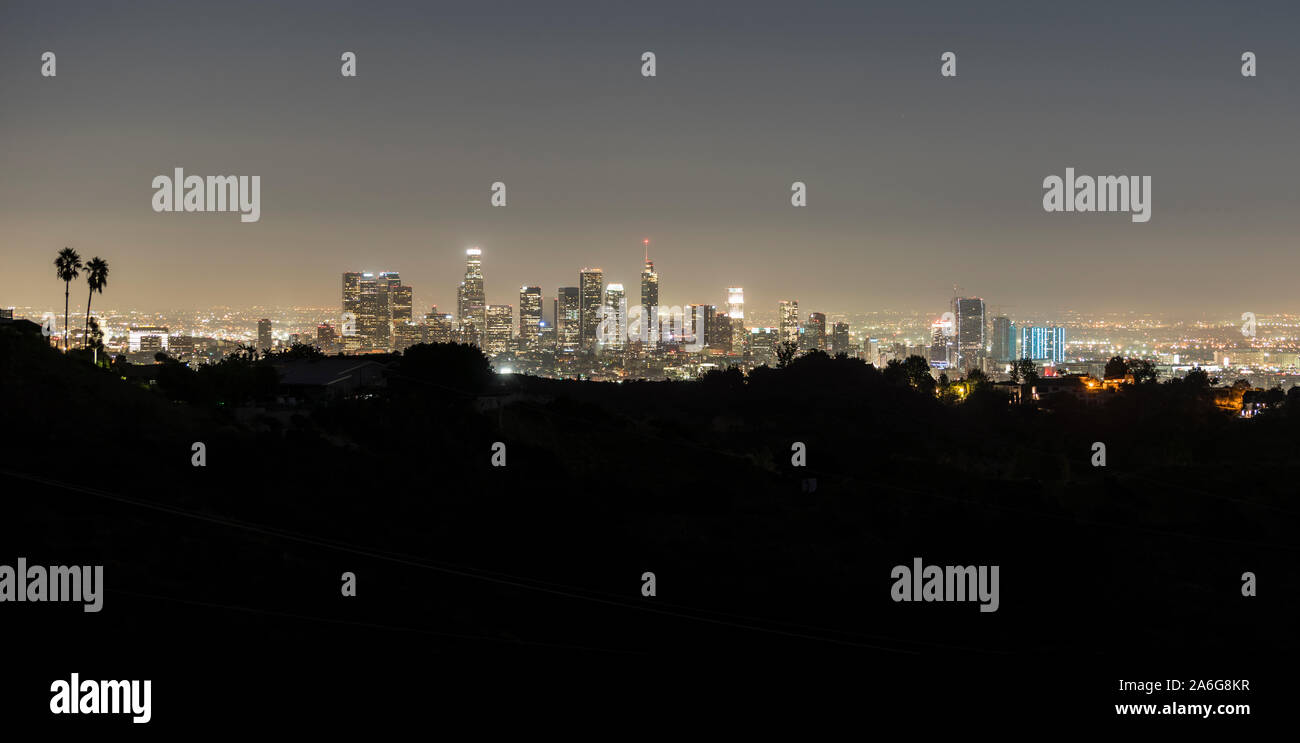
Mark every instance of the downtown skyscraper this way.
pixel 530 315
pixel 372 306
pixel 471 297
pixel 352 340
pixel 591 283
pixel 496 334
pixel 568 320
pixel 264 335
pixel 736 318
pixel 814 333
pixel 650 298
pixel 969 314
pixel 1043 344
pixel 788 321
pixel 839 338
pixel 1004 340
pixel 613 322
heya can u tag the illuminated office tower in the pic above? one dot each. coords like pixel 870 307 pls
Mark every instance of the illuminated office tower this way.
pixel 471 297
pixel 264 335
pixel 873 352
pixel 548 311
pixel 1004 340
pixel 1043 344
pixel 368 309
pixel 468 331
pixel 695 328
pixel 351 310
pixel 941 343
pixel 351 291
pixel 762 345
pixel 613 319
pixel 788 323
pixel 530 315
pixel 969 314
pixel 736 303
pixel 839 338
pixel 568 320
pixel 147 338
pixel 590 283
pixel 546 336
pixel 472 293
pixel 408 333
pixel 736 317
pixel 374 320
pixel 650 299
pixel 325 336
pixel 390 294
pixel 401 303
pixel 497 333
pixel 718 330
pixel 814 333
pixel 438 326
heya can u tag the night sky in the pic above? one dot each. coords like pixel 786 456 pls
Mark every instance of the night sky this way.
pixel 915 182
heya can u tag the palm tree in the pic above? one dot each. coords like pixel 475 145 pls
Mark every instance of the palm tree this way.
pixel 97 277
pixel 66 266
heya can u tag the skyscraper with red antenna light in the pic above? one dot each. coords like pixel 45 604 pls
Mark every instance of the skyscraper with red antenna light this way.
pixel 650 297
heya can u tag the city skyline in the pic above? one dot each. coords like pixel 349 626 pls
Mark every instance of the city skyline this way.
pixel 376 315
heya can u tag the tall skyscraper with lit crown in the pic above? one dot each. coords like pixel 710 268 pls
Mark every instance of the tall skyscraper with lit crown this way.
pixel 471 297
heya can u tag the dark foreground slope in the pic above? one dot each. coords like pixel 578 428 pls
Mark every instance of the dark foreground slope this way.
pixel 235 567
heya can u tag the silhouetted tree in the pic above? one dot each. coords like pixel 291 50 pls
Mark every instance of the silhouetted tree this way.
pixel 1116 368
pixel 97 278
pixel 67 266
pixel 449 366
pixel 1275 397
pixel 785 353
pixel 917 371
pixel 1028 371
pixel 1143 371
pixel 1293 401
pixel 732 377
pixel 297 352
pixel 1197 380
pixel 96 339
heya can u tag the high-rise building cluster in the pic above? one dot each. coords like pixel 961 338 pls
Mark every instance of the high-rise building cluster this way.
pixel 377 312
pixel 595 330
pixel 965 339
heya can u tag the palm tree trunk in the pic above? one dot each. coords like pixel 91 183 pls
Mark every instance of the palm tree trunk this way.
pixel 85 336
pixel 67 285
